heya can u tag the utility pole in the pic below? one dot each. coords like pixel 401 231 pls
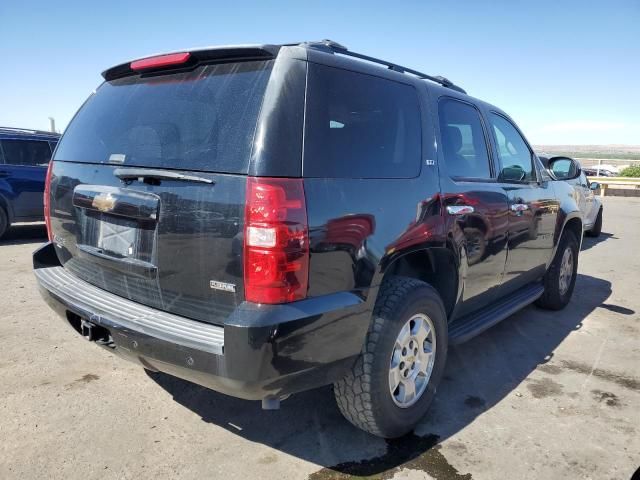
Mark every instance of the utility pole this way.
pixel 52 124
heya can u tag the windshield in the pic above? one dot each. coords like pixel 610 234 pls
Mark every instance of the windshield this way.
pixel 199 120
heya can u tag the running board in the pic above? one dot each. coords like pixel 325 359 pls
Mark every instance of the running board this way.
pixel 467 327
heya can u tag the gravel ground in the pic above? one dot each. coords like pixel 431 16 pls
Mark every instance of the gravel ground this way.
pixel 542 395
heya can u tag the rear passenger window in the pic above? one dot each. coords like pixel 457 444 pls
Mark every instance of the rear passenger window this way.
pixel 463 142
pixel 514 154
pixel 26 152
pixel 360 126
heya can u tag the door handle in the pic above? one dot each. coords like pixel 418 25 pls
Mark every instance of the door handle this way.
pixel 519 208
pixel 459 209
pixel 4 174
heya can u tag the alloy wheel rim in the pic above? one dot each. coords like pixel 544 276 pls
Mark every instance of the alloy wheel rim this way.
pixel 412 360
pixel 566 270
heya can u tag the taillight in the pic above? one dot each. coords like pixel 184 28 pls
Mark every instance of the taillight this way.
pixel 47 203
pixel 160 61
pixel 276 241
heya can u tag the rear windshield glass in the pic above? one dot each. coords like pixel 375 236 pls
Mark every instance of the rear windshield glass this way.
pixel 360 126
pixel 204 119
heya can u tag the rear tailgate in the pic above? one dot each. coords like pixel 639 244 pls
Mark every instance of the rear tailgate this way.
pixel 148 187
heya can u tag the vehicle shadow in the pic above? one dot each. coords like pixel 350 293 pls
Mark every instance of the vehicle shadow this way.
pixel 589 242
pixel 24 234
pixel 479 374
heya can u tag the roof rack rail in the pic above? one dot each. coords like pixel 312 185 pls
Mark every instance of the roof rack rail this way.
pixel 330 46
pixel 28 131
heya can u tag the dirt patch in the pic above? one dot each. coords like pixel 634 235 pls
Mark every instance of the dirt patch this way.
pixel 548 368
pixel 409 452
pixel 610 399
pixel 625 381
pixel 544 388
pixel 268 459
pixel 88 378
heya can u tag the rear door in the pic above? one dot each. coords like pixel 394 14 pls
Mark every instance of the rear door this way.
pixel 533 207
pixel 476 206
pixel 149 183
pixel 23 172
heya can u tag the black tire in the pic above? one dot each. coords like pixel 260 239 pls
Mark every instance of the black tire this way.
pixel 597 227
pixel 553 298
pixel 4 222
pixel 363 396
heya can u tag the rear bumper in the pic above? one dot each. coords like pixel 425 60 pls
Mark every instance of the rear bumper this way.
pixel 261 351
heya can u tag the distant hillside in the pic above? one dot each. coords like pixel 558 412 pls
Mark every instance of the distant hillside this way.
pixel 622 152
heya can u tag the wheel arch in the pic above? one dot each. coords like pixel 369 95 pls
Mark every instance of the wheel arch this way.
pixel 573 222
pixel 437 266
pixel 6 205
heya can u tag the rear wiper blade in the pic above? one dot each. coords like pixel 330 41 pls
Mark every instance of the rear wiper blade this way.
pixel 142 173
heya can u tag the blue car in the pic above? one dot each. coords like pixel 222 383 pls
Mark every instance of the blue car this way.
pixel 24 157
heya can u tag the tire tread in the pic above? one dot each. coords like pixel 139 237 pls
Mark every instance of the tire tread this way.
pixel 353 393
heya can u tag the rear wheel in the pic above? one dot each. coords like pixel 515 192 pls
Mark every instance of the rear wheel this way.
pixel 560 279
pixel 4 222
pixel 597 227
pixel 394 381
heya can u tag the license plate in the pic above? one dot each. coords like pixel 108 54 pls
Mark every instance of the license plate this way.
pixel 120 239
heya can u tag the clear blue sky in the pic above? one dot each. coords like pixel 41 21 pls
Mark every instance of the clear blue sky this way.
pixel 567 71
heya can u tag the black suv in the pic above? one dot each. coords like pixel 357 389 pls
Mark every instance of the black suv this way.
pixel 264 220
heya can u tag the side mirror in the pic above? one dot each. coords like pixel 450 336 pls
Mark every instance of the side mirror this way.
pixel 594 186
pixel 564 168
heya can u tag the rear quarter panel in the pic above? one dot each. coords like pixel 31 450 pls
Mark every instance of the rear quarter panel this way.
pixel 356 224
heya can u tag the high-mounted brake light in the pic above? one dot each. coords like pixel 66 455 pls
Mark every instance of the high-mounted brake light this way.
pixel 276 241
pixel 47 202
pixel 160 61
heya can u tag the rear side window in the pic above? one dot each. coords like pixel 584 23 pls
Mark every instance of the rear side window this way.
pixel 360 126
pixel 463 142
pixel 26 152
pixel 204 119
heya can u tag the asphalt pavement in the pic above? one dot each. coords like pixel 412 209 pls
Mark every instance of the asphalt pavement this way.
pixel 543 395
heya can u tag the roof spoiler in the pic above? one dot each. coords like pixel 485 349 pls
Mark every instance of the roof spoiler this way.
pixel 191 58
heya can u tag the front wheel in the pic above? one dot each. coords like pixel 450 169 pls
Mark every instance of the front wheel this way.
pixel 394 380
pixel 560 279
pixel 4 222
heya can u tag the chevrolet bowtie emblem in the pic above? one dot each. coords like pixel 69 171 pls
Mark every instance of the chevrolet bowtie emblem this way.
pixel 104 202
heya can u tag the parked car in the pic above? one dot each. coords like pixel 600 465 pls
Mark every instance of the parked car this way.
pixel 24 156
pixel 590 205
pixel 598 172
pixel 358 191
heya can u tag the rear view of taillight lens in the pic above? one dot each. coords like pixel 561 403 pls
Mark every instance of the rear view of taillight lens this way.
pixel 276 241
pixel 47 205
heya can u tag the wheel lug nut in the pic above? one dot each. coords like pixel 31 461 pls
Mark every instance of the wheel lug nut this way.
pixel 401 365
pixel 415 352
pixel 404 351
